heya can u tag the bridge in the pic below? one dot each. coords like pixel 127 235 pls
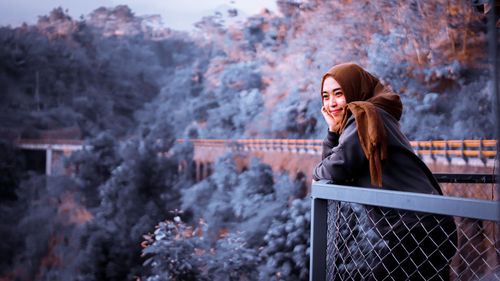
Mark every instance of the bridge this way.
pixel 295 156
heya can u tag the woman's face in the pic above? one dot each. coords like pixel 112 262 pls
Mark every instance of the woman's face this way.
pixel 333 98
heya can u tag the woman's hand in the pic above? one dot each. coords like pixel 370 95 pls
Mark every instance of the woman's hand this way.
pixel 330 120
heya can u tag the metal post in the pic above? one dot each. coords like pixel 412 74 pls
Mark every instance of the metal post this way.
pixel 462 149
pixel 419 151
pixel 317 268
pixel 493 50
pixel 433 157
pixel 48 161
pixel 447 152
pixel 481 155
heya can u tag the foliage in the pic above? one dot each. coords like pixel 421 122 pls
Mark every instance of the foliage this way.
pixel 105 72
pixel 133 197
pixel 286 249
pixel 235 201
pixel 91 223
pixel 64 73
pixel 239 209
pixel 94 165
pixel 297 119
pixel 11 167
pixel 176 251
pixel 171 251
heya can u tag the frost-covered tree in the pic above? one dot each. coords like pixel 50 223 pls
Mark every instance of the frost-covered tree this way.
pixel 248 225
pixel 244 202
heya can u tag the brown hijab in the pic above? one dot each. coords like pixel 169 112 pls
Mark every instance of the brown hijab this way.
pixel 363 93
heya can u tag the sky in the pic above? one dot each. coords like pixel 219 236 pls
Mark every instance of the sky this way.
pixel 176 14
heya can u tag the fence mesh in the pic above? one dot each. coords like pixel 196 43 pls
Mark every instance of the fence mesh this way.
pixel 374 243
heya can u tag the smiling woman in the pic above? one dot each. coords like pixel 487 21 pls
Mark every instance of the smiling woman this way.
pixel 365 147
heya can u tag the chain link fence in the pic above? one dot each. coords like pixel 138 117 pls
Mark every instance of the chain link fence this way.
pixel 368 234
pixel 372 243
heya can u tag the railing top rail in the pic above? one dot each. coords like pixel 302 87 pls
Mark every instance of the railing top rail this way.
pixel 455 143
pixel 435 144
pixel 411 201
pixel 48 141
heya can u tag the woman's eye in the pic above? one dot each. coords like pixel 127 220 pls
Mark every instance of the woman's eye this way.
pixel 338 94
pixel 325 97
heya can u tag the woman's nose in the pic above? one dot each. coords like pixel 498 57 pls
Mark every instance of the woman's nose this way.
pixel 331 102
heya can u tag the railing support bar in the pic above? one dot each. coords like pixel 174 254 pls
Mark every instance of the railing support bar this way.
pixel 317 269
pixel 494 60
pixel 48 161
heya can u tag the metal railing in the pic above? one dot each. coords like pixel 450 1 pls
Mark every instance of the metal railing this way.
pixel 292 145
pixel 52 144
pixel 365 233
pixel 450 148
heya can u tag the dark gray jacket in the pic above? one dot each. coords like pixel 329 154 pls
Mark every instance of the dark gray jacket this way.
pixel 344 161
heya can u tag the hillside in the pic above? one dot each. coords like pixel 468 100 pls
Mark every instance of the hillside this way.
pixel 112 70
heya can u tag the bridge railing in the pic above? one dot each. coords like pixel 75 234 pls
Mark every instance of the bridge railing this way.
pixel 354 235
pixel 470 152
pixel 449 148
pixel 52 144
pixel 292 145
pixel 465 149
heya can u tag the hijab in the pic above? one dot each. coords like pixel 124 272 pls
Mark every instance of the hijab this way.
pixel 364 93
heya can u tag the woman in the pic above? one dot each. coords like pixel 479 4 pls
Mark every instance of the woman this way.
pixel 365 147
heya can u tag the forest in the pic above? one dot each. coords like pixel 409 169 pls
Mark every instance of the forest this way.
pixel 129 91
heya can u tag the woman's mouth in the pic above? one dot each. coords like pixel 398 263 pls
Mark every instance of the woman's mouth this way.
pixel 335 111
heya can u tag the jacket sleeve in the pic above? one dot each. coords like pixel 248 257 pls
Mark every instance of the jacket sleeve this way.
pixel 342 162
pixel 331 140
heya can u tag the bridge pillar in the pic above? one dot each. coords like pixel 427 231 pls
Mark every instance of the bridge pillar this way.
pixel 48 161
pixel 204 173
pixel 200 171
pixel 209 168
pixel 192 170
pixel 197 169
